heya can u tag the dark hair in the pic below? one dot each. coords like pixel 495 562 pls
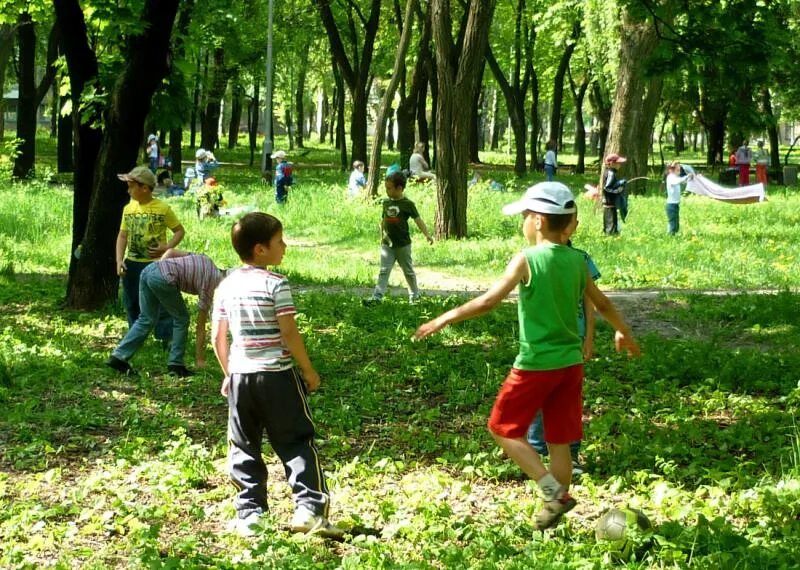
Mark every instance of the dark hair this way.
pixel 559 222
pixel 253 229
pixel 398 179
pixel 163 175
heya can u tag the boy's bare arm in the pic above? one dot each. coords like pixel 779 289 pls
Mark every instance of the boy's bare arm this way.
pixel 623 338
pixel 516 271
pixel 423 228
pixel 588 340
pixel 171 252
pixel 294 342
pixel 219 332
pixel 122 244
pixel 178 232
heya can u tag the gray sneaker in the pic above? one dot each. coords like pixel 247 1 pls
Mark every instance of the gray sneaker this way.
pixel 552 511
pixel 577 468
pixel 247 526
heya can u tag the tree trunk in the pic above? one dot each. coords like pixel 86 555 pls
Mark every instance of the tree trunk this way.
pixel 409 102
pixel 325 114
pixel 374 180
pixel 195 105
pixel 580 128
pixel 54 106
pixel 299 96
pixel 390 141
pixel 26 103
pixel 558 86
pixel 95 281
pixel 179 89
pixel 535 120
pixel 355 74
pixel 475 121
pixel 209 130
pixel 252 122
pixel 715 133
pixel 772 128
pixel 64 132
pixel 457 68
pixel 6 47
pixel 638 40
pixel 494 137
pixel 237 93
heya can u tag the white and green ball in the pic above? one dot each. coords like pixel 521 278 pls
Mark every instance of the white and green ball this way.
pixel 617 527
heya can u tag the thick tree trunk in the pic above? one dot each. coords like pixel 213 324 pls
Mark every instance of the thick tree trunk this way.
pixel 237 93
pixel 772 128
pixel 601 105
pixel 374 180
pixel 457 83
pixel 83 71
pixel 195 105
pixel 209 131
pixel 95 281
pixel 715 133
pixel 26 104
pixel 628 117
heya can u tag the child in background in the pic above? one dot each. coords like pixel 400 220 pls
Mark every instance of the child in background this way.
pixel 265 392
pixel 763 161
pixel 152 152
pixel 396 238
pixel 357 180
pixel 283 177
pixel 674 181
pixel 205 163
pixel 586 332
pixel 550 162
pixel 160 287
pixel 143 233
pixel 613 192
pixel 548 372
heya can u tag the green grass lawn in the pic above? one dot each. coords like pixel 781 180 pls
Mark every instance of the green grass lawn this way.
pixel 700 433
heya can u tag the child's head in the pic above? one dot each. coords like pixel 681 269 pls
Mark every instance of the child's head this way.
pixel 253 231
pixel 162 177
pixel 419 147
pixel 141 182
pixel 200 154
pixel 551 202
pixel 674 166
pixel 395 184
pixel 358 165
pixel 279 155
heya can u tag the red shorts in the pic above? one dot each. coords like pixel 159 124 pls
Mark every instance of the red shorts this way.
pixel 557 393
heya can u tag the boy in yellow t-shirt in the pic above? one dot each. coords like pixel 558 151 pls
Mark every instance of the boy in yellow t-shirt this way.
pixel 143 232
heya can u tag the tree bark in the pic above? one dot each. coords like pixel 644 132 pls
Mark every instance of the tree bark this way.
pixel 209 130
pixel 6 47
pixel 457 81
pixel 195 105
pixel 26 103
pixel 323 124
pixel 601 106
pixel 580 128
pixel 772 128
pixel 299 97
pixel 341 142
pixel 95 281
pixel 374 180
pixel 237 93
pixel 409 101
pixel 252 122
pixel 628 120
pixel 558 86
pixel 179 87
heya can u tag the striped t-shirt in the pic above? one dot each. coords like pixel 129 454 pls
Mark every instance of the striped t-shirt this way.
pixel 251 299
pixel 195 274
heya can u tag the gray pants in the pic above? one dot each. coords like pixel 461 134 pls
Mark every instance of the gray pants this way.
pixel 274 402
pixel 403 257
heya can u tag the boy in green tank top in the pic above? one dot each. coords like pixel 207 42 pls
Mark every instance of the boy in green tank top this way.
pixel 547 374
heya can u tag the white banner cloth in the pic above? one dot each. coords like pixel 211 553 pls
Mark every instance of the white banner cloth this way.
pixel 740 195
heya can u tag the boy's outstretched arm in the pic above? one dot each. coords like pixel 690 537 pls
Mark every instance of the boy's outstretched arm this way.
pixel 623 339
pixel 516 271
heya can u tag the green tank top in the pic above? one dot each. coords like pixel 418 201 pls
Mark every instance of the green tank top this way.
pixel 548 329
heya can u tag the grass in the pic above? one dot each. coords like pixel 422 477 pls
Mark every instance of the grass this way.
pixel 100 471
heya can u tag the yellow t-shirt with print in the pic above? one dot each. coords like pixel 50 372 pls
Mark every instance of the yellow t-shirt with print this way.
pixel 146 226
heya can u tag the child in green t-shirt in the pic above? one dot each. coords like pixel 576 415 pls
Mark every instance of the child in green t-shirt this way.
pixel 547 374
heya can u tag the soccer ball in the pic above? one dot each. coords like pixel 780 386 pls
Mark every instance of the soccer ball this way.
pixel 617 527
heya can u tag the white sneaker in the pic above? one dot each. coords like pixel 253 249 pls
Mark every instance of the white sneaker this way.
pixel 247 526
pixel 307 522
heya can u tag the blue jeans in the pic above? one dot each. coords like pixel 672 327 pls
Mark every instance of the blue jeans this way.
pixel 281 193
pixel 130 299
pixel 673 218
pixel 157 296
pixel 536 438
pixel 550 171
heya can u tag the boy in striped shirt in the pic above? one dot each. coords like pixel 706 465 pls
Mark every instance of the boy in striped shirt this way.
pixel 160 287
pixel 265 391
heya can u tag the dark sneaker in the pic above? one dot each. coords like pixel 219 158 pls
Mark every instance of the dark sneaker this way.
pixel 552 512
pixel 180 370
pixel 120 366
pixel 371 302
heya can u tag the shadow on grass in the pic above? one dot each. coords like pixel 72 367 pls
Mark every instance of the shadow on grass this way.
pixel 686 410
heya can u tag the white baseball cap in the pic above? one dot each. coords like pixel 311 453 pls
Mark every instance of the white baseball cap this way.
pixel 544 198
pixel 278 154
